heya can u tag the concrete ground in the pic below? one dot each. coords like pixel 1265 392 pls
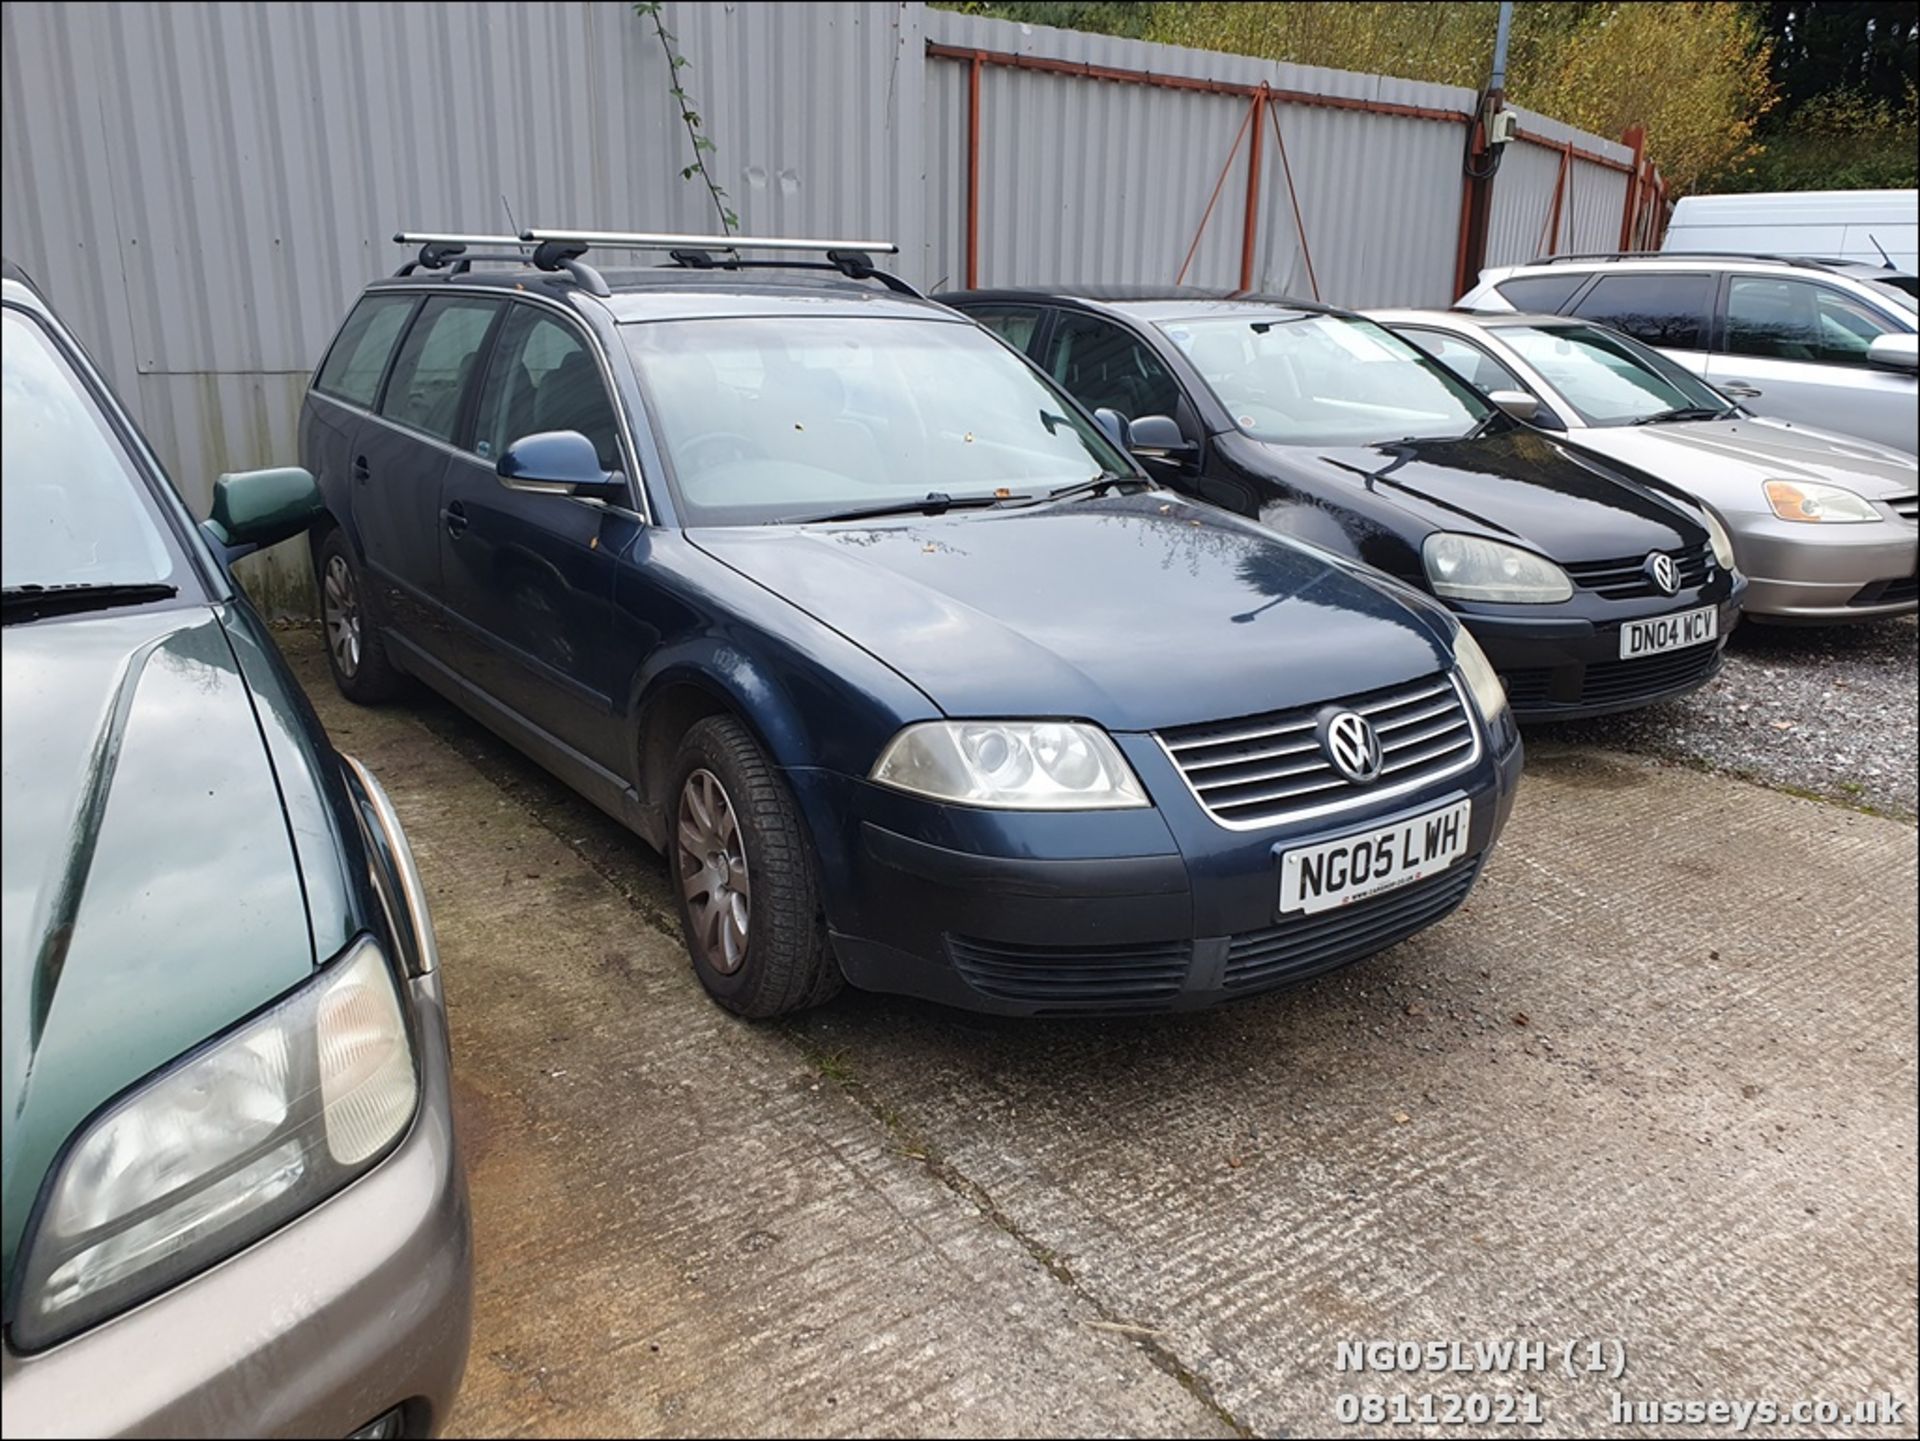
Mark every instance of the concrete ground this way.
pixel 1653 1087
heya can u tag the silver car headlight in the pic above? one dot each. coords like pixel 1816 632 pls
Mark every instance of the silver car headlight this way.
pixel 1011 765
pixel 221 1148
pixel 1482 681
pixel 1469 567
pixel 1808 500
pixel 1722 542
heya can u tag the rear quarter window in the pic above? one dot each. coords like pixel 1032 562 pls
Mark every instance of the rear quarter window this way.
pixel 354 365
pixel 1542 294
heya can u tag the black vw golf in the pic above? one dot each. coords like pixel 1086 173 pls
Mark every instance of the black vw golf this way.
pixel 1592 587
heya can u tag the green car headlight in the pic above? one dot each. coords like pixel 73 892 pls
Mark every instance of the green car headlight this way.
pixel 222 1147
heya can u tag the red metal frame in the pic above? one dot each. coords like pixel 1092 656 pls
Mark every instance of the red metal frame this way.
pixel 1250 227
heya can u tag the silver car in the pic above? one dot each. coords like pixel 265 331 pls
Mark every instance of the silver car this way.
pixel 1819 342
pixel 1823 525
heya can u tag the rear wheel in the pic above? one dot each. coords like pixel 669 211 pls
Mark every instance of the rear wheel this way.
pixel 743 876
pixel 355 653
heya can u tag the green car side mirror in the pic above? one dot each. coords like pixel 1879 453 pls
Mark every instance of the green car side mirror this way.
pixel 255 508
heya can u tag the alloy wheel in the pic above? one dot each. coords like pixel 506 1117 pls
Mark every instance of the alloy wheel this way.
pixel 340 607
pixel 713 872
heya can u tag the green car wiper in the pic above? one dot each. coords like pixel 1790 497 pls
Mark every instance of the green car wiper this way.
pixel 31 602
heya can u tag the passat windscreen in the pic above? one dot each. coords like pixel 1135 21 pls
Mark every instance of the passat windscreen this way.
pixel 1325 380
pixel 769 420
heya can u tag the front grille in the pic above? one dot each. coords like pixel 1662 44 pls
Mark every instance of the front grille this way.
pixel 1907 507
pixel 1625 680
pixel 1528 687
pixel 1073 977
pixel 1304 946
pixel 1887 592
pixel 1626 578
pixel 1259 769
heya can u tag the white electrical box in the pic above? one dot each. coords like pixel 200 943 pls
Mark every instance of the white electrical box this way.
pixel 1500 128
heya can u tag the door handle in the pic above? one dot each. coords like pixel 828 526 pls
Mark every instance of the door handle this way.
pixel 360 470
pixel 1744 392
pixel 455 516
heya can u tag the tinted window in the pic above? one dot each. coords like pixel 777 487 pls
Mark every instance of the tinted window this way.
pixel 1543 294
pixel 1668 310
pixel 1324 380
pixel 543 377
pixel 353 367
pixel 1101 365
pixel 1469 362
pixel 435 363
pixel 1798 320
pixel 770 419
pixel 1015 326
pixel 76 510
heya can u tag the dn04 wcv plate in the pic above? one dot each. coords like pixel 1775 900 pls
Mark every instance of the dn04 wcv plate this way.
pixel 1669 632
pixel 1337 873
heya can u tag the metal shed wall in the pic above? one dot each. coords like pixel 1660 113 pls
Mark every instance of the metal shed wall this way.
pixel 201 188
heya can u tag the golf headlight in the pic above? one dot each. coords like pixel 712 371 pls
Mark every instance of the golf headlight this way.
pixel 221 1148
pixel 1722 542
pixel 1809 500
pixel 1467 567
pixel 1011 765
pixel 1483 684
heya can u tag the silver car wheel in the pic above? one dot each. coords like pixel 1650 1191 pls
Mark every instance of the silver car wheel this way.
pixel 340 607
pixel 713 872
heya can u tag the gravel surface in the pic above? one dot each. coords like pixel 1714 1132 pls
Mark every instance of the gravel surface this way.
pixel 1830 712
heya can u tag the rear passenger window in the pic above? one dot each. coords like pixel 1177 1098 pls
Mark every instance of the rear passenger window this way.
pixel 353 367
pixel 1659 309
pixel 436 361
pixel 1541 294
pixel 1015 325
pixel 543 378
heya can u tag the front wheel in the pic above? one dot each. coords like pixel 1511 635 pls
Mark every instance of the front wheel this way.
pixel 744 877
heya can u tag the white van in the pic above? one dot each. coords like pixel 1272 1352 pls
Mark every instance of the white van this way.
pixel 1856 225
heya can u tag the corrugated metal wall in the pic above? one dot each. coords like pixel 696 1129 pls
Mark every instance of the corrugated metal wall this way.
pixel 201 188
pixel 1592 202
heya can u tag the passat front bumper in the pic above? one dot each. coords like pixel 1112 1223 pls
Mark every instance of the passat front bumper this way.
pixel 1157 909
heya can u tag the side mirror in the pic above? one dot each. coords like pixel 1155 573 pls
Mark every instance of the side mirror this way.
pixel 1114 424
pixel 558 462
pixel 1158 437
pixel 1895 352
pixel 1516 403
pixel 256 508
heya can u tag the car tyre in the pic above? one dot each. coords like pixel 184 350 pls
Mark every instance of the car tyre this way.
pixel 743 877
pixel 355 652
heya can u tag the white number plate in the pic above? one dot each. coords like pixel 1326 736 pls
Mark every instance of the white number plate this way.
pixel 1669 632
pixel 1337 873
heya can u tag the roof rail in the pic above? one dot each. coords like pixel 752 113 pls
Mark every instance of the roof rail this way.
pixel 852 258
pixel 1815 262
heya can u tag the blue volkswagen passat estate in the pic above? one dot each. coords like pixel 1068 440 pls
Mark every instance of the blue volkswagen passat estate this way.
pixel 917 681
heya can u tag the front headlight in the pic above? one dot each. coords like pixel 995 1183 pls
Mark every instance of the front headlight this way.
pixel 1811 501
pixel 1467 567
pixel 1722 542
pixel 1483 683
pixel 220 1149
pixel 1011 765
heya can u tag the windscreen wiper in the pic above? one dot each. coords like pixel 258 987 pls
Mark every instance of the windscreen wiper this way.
pixel 1094 485
pixel 935 503
pixel 31 602
pixel 1688 412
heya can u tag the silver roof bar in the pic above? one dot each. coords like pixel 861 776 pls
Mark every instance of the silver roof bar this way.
pixel 622 240
pixel 408 237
